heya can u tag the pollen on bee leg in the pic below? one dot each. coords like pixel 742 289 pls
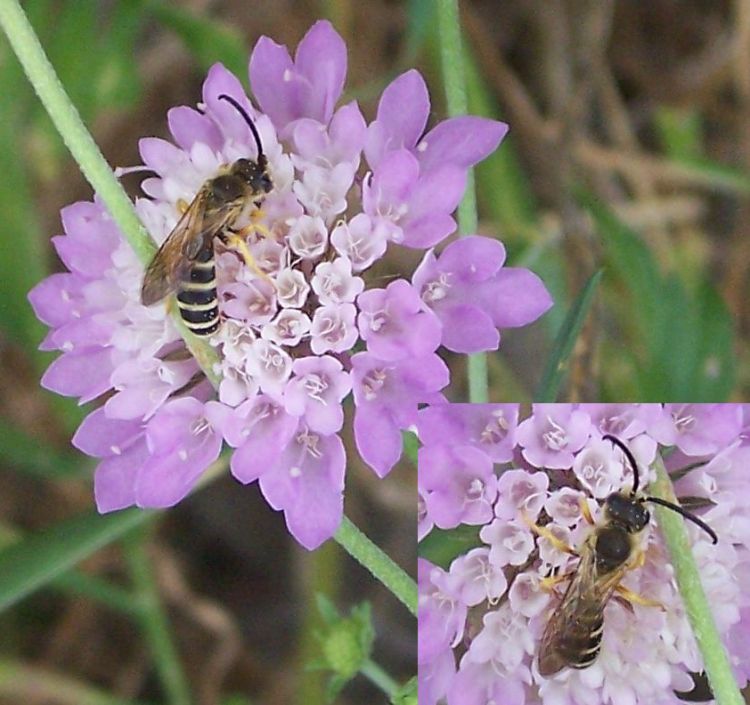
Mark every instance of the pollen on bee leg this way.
pixel 237 241
pixel 544 532
pixel 254 226
pixel 549 583
pixel 634 598
pixel 585 510
pixel 182 205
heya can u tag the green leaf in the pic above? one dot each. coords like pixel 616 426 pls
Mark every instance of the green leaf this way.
pixel 502 187
pixel 673 343
pixel 557 364
pixel 22 262
pixel 680 132
pixel 207 40
pixel 441 546
pixel 410 444
pixel 36 560
pixel 715 372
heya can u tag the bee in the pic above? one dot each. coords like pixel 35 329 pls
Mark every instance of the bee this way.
pixel 185 262
pixel 573 634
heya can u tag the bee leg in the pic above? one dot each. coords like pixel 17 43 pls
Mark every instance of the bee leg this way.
pixel 544 532
pixel 236 241
pixel 585 510
pixel 254 226
pixel 633 598
pixel 182 205
pixel 549 583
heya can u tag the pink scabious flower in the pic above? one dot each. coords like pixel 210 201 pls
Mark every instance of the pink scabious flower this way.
pixel 344 191
pixel 486 611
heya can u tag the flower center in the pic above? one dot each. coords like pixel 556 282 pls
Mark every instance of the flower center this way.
pixel 373 383
pixel 685 423
pixel 315 386
pixel 475 491
pixel 555 438
pixel 437 289
pixel 496 429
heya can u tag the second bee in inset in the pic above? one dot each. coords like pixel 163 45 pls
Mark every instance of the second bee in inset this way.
pixel 573 634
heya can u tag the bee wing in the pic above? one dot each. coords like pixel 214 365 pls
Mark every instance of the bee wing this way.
pixel 579 614
pixel 194 230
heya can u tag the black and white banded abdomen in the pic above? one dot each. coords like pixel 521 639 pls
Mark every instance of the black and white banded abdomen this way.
pixel 579 644
pixel 197 298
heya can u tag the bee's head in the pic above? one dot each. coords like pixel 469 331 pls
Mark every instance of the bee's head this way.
pixel 254 174
pixel 627 512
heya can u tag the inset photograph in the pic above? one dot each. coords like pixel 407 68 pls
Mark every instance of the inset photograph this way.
pixel 583 554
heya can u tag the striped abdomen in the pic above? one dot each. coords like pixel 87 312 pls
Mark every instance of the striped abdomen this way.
pixel 579 645
pixel 196 297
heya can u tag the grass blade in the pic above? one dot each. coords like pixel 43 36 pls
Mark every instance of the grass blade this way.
pixel 557 365
pixel 36 560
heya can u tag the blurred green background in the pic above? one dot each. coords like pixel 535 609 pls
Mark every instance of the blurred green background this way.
pixel 628 156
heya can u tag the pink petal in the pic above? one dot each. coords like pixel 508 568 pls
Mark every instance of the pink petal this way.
pixel 467 329
pixel 188 126
pixel 437 191
pixel 428 231
pixel 402 116
pixel 84 375
pixel 269 64
pixel 473 258
pixel 222 81
pixel 515 297
pixel 114 479
pixel 461 141
pixel 378 438
pixel 101 437
pixel 321 58
pixel 56 298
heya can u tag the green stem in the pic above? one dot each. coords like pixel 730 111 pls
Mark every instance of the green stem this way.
pixel 452 59
pixel 154 622
pixel 376 675
pixel 359 547
pixel 78 140
pixel 715 658
pixel 85 585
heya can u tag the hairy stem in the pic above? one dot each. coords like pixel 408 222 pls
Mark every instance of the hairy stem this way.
pixel 376 675
pixel 94 167
pixel 452 59
pixel 715 658
pixel 359 547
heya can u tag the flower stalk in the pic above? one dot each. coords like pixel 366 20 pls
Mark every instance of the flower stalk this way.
pixel 395 579
pixel 688 580
pixel 154 621
pixel 87 154
pixel 452 57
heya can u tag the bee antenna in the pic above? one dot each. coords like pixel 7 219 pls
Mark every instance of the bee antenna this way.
pixel 686 514
pixel 616 441
pixel 250 123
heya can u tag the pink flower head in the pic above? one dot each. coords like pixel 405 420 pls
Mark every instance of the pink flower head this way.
pixel 473 295
pixel 342 191
pixel 496 594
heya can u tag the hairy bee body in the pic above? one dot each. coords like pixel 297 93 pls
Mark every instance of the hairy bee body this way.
pixel 572 637
pixel 573 633
pixel 184 264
